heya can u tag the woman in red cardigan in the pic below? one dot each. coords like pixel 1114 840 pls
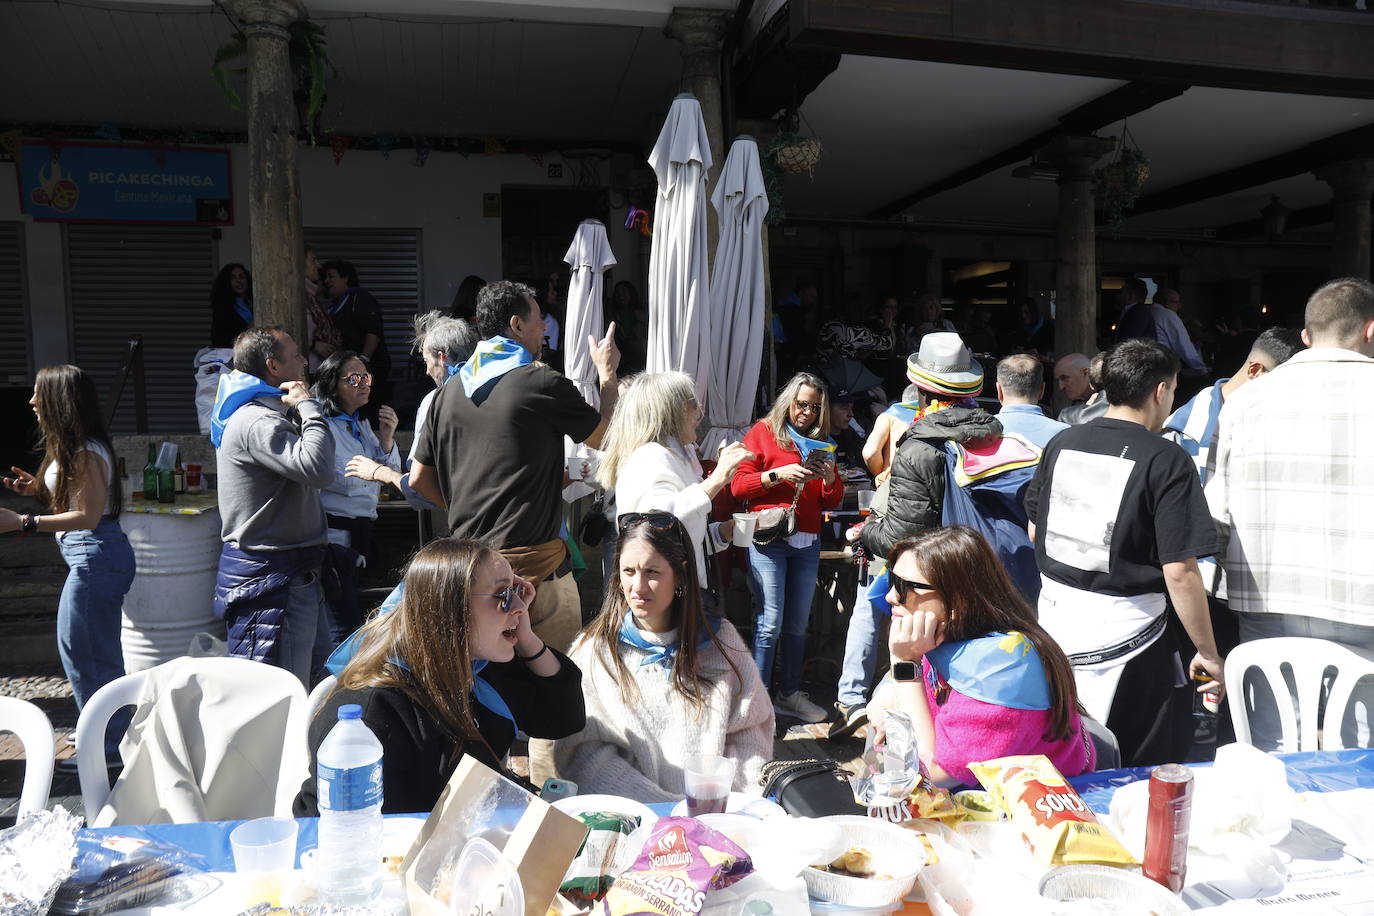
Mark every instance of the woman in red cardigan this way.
pixel 784 572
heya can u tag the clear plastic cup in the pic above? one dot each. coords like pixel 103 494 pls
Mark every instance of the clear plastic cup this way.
pixel 264 844
pixel 707 779
pixel 865 498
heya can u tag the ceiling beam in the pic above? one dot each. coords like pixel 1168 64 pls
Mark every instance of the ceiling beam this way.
pixel 1267 47
pixel 1306 218
pixel 1121 102
pixel 1351 144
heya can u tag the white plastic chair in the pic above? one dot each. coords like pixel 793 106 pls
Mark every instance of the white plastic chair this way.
pixel 1306 661
pixel 34 731
pixel 318 696
pixel 90 737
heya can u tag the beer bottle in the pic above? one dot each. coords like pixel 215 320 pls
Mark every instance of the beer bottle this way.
pixel 150 474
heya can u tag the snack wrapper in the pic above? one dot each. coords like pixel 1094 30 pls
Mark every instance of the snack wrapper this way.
pixel 895 785
pixel 681 861
pixel 1054 821
pixel 594 870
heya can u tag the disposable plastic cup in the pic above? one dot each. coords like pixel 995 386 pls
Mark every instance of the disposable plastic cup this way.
pixel 746 523
pixel 577 467
pixel 865 501
pixel 707 779
pixel 264 844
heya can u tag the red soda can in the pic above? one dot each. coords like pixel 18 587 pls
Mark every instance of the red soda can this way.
pixel 1166 827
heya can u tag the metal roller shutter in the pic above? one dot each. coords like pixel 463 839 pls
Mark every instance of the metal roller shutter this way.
pixel 14 339
pixel 150 280
pixel 388 265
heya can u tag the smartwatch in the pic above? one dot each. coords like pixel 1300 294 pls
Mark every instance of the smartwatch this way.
pixel 772 477
pixel 905 672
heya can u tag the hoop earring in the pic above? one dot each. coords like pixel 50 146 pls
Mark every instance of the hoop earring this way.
pixel 677 592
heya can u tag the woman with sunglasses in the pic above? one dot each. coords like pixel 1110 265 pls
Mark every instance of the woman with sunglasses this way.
pixel 663 678
pixel 344 386
pixel 977 674
pixel 793 466
pixel 452 669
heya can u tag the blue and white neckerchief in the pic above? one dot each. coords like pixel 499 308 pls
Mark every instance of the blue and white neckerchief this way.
pixel 244 309
pixel 482 691
pixel 492 358
pixel 1001 668
pixel 354 424
pixel 234 390
pixel 339 303
pixel 663 655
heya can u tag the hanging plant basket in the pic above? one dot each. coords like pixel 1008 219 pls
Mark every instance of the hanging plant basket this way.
pixel 799 155
pixel 1117 184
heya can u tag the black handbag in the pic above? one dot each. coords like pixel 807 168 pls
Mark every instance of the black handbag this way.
pixel 778 523
pixel 810 788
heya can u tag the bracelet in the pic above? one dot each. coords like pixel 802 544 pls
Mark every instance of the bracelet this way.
pixel 373 476
pixel 28 524
pixel 529 658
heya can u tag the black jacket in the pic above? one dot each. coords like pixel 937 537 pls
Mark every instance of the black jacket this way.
pixel 916 490
pixel 418 757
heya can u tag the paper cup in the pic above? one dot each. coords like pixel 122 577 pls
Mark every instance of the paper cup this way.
pixel 746 523
pixel 576 467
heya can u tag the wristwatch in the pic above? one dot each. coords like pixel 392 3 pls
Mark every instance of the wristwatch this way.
pixel 772 477
pixel 905 672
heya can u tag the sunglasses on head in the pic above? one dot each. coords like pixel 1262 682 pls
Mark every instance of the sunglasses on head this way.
pixel 904 587
pixel 663 521
pixel 508 596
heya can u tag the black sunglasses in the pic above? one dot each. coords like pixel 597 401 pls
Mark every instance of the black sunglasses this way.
pixel 506 596
pixel 904 587
pixel 663 521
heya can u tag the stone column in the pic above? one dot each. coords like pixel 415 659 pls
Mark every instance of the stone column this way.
pixel 1075 277
pixel 701 32
pixel 274 202
pixel 1352 185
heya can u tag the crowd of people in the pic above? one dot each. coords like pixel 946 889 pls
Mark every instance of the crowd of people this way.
pixel 1046 585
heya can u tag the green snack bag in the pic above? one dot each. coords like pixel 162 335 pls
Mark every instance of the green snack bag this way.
pixel 589 876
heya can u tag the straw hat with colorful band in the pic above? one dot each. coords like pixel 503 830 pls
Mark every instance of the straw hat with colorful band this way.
pixel 944 366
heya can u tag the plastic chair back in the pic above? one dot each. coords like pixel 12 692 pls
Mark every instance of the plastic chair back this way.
pixel 318 696
pixel 1104 742
pixel 90 737
pixel 1306 661
pixel 31 726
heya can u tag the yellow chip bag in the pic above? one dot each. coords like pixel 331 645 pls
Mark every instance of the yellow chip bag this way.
pixel 1056 824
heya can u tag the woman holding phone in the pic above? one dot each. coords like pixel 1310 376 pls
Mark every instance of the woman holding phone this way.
pixel 793 466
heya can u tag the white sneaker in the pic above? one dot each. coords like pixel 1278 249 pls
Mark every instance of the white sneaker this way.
pixel 798 706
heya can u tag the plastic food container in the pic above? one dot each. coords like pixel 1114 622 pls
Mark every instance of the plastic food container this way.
pixel 896 852
pixel 1111 890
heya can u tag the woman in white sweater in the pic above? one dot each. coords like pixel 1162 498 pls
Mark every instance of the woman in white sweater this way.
pixel 651 460
pixel 662 678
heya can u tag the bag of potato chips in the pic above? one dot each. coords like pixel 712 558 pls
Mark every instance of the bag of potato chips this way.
pixel 682 860
pixel 1056 824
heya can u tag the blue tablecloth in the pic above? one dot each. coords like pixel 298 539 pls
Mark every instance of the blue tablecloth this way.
pixel 1318 771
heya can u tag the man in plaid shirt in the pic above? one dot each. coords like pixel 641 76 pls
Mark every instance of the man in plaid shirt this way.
pixel 1290 487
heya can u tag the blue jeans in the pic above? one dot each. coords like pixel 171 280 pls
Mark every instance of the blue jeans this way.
pixel 860 650
pixel 100 566
pixel 784 579
pixel 304 643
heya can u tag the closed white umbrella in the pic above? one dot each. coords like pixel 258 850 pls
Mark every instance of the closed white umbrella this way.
pixel 736 329
pixel 679 285
pixel 589 256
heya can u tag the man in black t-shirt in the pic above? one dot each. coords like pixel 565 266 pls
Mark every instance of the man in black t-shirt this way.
pixel 492 452
pixel 1119 522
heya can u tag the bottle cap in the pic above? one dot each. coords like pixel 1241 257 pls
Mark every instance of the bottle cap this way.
pixel 350 711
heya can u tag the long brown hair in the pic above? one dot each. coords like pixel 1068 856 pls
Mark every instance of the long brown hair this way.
pixel 69 416
pixel 665 534
pixel 980 599
pixel 778 415
pixel 423 647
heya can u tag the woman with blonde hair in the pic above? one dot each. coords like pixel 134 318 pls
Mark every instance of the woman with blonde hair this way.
pixel 664 678
pixel 793 467
pixel 453 669
pixel 651 460
pixel 78 482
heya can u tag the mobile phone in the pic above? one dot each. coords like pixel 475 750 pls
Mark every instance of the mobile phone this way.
pixel 554 789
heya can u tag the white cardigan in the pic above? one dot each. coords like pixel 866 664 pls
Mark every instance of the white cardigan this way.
pixel 637 750
pixel 657 478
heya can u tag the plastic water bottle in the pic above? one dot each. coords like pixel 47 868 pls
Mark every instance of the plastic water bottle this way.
pixel 348 863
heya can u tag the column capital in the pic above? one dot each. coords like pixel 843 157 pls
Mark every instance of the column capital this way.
pixel 1351 179
pixel 274 15
pixel 696 27
pixel 1075 155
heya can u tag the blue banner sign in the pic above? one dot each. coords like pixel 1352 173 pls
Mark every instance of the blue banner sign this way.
pixel 103 183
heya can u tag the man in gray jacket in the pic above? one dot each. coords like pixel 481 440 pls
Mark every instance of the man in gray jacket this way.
pixel 275 453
